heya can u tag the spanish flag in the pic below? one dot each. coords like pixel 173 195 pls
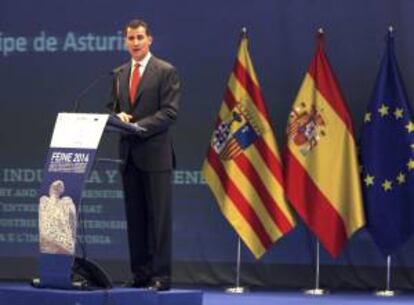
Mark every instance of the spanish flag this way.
pixel 321 166
pixel 243 167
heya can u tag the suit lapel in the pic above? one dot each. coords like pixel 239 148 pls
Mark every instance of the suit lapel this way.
pixel 124 83
pixel 149 70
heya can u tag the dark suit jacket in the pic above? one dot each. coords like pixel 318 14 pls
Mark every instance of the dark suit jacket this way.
pixel 155 110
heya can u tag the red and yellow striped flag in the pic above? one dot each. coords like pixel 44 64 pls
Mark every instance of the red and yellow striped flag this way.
pixel 321 166
pixel 242 166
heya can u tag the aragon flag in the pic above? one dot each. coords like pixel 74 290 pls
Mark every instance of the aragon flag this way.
pixel 242 167
pixel 387 157
pixel 321 167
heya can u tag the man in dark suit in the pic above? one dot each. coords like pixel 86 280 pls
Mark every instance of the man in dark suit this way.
pixel 146 91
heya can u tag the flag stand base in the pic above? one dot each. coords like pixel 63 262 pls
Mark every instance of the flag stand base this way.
pixel 316 291
pixel 236 289
pixel 385 293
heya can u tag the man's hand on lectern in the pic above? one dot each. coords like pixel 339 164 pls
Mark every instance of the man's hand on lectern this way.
pixel 124 117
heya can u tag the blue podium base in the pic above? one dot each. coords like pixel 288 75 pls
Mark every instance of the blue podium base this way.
pixel 24 294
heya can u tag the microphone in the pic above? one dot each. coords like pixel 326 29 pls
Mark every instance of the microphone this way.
pixel 92 84
pixel 117 70
pixel 116 73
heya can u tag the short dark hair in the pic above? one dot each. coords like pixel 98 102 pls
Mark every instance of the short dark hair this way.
pixel 136 23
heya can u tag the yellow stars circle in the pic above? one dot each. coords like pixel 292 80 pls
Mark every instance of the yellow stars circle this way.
pixel 401 178
pixel 410 127
pixel 387 185
pixel 383 110
pixel 368 117
pixel 398 113
pixel 369 180
pixel 410 164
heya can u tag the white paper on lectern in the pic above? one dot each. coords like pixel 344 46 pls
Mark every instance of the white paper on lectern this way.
pixel 78 130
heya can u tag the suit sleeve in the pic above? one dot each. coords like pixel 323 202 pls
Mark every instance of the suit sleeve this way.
pixel 169 96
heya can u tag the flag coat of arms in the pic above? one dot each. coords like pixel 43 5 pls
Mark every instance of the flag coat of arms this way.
pixel 321 167
pixel 242 167
pixel 387 157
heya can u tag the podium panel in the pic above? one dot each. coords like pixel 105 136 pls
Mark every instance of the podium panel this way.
pixel 69 161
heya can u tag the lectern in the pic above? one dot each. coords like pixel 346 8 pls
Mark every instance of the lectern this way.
pixel 71 154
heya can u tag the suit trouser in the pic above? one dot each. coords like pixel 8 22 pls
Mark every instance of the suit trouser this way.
pixel 148 213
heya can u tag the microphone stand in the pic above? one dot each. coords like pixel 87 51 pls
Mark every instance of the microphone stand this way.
pixel 76 103
pixel 116 71
pixel 116 89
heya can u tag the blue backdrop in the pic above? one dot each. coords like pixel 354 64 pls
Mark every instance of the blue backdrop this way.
pixel 51 51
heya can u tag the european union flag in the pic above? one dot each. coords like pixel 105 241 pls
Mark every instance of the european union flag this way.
pixel 387 156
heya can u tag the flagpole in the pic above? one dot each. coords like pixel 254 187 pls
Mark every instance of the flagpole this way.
pixel 387 292
pixel 237 288
pixel 317 290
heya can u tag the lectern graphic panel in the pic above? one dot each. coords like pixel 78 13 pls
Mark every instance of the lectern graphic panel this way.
pixel 69 161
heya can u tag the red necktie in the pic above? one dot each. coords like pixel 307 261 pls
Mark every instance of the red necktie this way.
pixel 133 88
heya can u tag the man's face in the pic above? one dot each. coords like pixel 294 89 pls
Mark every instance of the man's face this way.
pixel 138 42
